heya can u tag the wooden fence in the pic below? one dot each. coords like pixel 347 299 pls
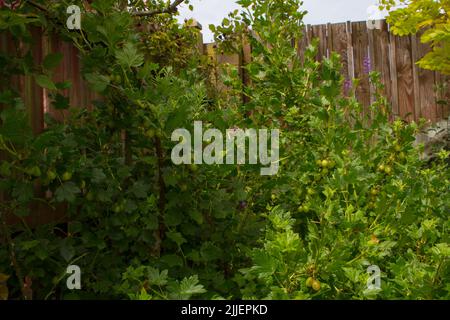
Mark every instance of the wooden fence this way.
pixel 410 90
pixel 36 98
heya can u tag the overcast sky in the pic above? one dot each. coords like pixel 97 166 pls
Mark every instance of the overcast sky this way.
pixel 319 11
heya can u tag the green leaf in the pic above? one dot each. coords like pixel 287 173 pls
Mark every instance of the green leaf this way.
pixel 23 192
pixel 129 56
pixel 67 192
pixel 210 252
pixel 52 60
pixel 66 251
pixel 27 245
pixel 157 278
pixel 196 216
pixel 41 252
pixel 176 237
pixel 98 175
pixel 15 125
pixel 176 119
pixel 190 286
pixel 172 260
pixel 140 189
pixel 63 85
pixel 45 82
pixel 61 102
pixel 97 81
pixel 264 264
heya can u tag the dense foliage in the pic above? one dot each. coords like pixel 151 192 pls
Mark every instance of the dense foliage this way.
pixel 351 190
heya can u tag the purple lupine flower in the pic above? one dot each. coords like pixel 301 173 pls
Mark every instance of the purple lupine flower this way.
pixel 347 86
pixel 367 64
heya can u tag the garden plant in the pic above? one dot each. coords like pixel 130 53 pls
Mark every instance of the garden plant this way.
pixel 351 191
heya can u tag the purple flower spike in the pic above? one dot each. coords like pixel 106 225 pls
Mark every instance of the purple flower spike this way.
pixel 367 65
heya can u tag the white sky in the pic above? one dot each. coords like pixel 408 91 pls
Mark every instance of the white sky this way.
pixel 319 11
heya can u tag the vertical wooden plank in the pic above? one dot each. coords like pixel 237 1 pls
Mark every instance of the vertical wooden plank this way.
pixel 79 96
pixel 46 49
pixel 319 31
pixel 394 78
pixel 33 94
pixel 309 34
pixel 381 57
pixel 371 62
pixel 351 62
pixel 338 44
pixel 416 82
pixel 405 82
pixel 329 43
pixel 54 45
pixel 361 58
pixel 442 84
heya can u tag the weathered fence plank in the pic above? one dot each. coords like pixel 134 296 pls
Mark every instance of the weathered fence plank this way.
pixel 361 57
pixel 337 33
pixel 405 82
pixel 381 57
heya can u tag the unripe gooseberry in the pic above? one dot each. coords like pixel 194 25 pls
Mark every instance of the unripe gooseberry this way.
pixel 316 285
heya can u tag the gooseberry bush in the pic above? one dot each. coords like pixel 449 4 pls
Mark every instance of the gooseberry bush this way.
pixel 351 190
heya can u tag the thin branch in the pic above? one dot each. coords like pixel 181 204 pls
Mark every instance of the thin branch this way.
pixel 170 9
pixel 37 5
